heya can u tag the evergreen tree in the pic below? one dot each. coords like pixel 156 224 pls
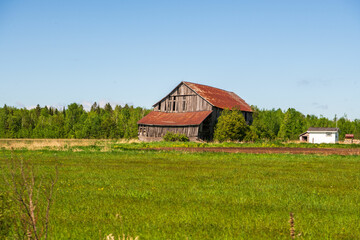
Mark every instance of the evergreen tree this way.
pixel 108 108
pixel 95 108
pixel 38 110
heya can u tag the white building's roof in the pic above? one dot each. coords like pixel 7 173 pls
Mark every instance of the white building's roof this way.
pixel 320 129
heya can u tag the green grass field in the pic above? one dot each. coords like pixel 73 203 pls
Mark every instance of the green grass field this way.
pixel 175 195
pixel 269 144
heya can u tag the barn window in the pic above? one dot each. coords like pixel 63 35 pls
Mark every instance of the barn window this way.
pixel 169 105
pixel 174 104
pixel 184 103
pixel 159 106
pixel 328 134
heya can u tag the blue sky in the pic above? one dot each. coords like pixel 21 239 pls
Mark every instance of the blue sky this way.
pixel 274 54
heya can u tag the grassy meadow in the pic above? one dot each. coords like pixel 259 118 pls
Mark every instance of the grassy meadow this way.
pixel 127 144
pixel 177 195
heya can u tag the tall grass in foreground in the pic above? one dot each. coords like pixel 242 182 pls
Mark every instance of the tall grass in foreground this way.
pixel 29 196
pixel 175 195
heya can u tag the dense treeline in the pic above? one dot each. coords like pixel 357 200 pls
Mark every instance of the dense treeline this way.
pixel 72 122
pixel 277 124
pixel 121 122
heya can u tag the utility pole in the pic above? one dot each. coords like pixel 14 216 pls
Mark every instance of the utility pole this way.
pixel 336 120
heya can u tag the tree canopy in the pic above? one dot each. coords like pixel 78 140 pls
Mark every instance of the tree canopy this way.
pixel 72 122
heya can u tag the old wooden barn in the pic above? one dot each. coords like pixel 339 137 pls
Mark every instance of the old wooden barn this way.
pixel 191 109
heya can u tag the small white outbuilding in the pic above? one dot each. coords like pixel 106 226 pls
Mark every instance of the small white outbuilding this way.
pixel 320 135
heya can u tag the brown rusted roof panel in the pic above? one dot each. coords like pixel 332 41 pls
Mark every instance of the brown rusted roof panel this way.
pixel 220 98
pixel 174 119
pixel 349 136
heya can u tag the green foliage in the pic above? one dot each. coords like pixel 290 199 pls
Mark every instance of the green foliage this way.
pixel 347 126
pixel 73 122
pixel 231 126
pixel 313 121
pixel 293 124
pixel 175 137
pixel 266 123
pixel 251 135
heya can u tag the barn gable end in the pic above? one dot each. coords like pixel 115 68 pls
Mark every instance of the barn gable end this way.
pixel 182 99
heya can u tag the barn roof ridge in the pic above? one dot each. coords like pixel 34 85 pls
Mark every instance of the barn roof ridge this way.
pixel 218 97
pixel 206 86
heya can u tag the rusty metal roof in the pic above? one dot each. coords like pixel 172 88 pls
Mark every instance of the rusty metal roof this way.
pixel 174 119
pixel 219 98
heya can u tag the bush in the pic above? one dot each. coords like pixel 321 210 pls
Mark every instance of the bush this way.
pixel 175 137
pixel 251 136
pixel 231 126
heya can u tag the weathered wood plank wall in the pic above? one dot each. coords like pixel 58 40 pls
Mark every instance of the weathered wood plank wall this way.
pixel 182 99
pixel 160 131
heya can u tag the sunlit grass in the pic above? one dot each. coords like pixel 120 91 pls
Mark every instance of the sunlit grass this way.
pixel 267 144
pixel 174 195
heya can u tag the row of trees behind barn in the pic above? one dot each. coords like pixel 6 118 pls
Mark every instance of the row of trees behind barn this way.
pixel 288 125
pixel 121 122
pixel 71 122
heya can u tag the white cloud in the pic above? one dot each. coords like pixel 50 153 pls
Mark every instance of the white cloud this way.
pixel 320 106
pixel 303 82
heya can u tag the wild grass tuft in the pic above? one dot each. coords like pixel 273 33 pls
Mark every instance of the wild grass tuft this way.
pixel 292 226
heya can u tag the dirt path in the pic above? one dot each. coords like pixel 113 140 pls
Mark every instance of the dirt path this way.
pixel 324 151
